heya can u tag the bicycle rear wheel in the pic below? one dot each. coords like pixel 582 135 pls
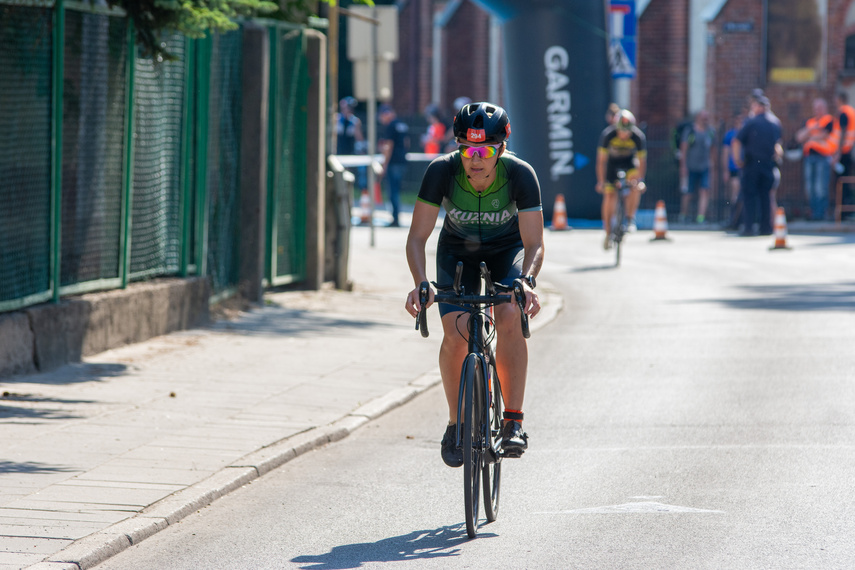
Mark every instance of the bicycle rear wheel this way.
pixel 492 473
pixel 472 458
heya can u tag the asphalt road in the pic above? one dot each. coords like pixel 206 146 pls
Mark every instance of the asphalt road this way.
pixel 694 408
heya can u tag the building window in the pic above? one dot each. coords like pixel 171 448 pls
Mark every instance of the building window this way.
pixel 849 62
pixel 796 36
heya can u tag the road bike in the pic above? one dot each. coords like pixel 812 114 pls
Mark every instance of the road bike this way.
pixel 479 401
pixel 619 223
pixel 618 226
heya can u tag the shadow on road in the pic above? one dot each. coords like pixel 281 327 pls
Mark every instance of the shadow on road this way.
pixel 804 297
pixel 31 467
pixel 417 545
pixel 593 268
pixel 71 374
pixel 296 323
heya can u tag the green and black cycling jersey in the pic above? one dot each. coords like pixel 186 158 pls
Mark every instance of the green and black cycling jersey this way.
pixel 488 217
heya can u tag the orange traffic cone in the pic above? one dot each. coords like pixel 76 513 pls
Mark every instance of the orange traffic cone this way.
pixel 365 207
pixel 780 230
pixel 660 221
pixel 559 214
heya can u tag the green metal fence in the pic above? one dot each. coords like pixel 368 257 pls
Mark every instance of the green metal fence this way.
pixel 93 191
pixel 158 201
pixel 115 168
pixel 287 156
pixel 223 153
pixel 26 51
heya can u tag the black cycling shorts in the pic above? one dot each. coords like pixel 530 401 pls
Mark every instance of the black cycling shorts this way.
pixel 505 264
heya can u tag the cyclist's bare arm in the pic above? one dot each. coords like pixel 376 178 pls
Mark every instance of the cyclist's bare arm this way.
pixel 424 221
pixel 642 164
pixel 636 175
pixel 602 161
pixel 531 231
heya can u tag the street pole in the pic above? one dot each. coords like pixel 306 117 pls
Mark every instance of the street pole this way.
pixel 332 62
pixel 372 120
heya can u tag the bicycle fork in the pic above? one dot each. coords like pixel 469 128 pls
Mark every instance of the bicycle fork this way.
pixel 482 400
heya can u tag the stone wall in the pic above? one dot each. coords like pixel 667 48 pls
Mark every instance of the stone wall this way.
pixel 46 336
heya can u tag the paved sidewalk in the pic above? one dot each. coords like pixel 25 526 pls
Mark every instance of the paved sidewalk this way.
pixel 100 455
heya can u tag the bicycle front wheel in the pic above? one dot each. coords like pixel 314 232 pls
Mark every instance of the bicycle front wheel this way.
pixel 492 473
pixel 472 458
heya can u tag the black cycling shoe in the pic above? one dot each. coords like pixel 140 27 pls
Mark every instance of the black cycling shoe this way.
pixel 451 455
pixel 514 439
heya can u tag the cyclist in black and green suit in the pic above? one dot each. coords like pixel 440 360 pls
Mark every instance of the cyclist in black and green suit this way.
pixel 494 214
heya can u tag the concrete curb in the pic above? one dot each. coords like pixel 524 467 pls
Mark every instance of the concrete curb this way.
pixel 102 545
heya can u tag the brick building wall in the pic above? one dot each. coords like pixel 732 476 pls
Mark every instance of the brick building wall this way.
pixel 660 94
pixel 411 74
pixel 465 56
pixel 466 44
pixel 736 64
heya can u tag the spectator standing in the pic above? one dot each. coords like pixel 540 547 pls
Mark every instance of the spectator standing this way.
pixel 755 150
pixel 779 153
pixel 844 133
pixel 349 138
pixel 348 128
pixel 677 137
pixel 730 174
pixel 696 158
pixel 818 148
pixel 394 141
pixel 435 134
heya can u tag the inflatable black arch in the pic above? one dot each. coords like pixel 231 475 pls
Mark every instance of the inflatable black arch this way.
pixel 558 88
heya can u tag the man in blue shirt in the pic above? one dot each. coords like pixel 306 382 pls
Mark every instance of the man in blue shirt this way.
pixel 756 148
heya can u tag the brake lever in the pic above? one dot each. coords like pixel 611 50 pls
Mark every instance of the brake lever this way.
pixel 489 287
pixel 519 295
pixel 458 276
pixel 421 319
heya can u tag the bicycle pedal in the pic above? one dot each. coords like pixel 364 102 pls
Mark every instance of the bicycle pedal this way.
pixel 512 453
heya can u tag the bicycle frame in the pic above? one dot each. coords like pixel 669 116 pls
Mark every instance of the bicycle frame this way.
pixel 480 350
pixel 481 451
pixel 622 189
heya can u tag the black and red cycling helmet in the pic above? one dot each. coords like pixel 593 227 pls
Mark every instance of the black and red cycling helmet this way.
pixel 481 123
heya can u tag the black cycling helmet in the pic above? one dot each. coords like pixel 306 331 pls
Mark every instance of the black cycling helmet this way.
pixel 481 123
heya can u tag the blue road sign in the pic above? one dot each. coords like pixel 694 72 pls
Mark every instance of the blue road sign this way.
pixel 622 38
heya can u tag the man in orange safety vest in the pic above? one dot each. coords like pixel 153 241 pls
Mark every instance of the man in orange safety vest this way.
pixel 819 146
pixel 844 134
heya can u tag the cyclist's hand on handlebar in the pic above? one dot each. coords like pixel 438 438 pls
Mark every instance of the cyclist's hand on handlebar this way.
pixel 638 184
pixel 413 305
pixel 532 301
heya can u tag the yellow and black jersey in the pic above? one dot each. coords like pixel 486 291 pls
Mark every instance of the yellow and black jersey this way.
pixel 622 153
